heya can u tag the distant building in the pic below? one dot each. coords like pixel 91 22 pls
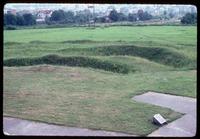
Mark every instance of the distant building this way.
pixel 40 21
pixel 108 20
pixel 41 15
pixel 11 11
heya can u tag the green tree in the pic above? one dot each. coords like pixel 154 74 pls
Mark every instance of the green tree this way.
pixel 82 17
pixel 58 15
pixel 29 19
pixel 189 18
pixel 100 19
pixel 171 15
pixel 165 16
pixel 69 17
pixel 20 20
pixel 144 15
pixel 140 14
pixel 165 13
pixel 132 17
pixel 122 17
pixel 10 19
pixel 113 15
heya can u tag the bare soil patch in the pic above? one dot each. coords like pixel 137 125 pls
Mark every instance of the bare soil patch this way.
pixel 43 68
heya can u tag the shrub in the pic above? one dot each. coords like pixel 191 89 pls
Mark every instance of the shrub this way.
pixel 10 28
pixel 160 55
pixel 69 61
pixel 189 18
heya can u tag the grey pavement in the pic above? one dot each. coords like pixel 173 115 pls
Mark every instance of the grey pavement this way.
pixel 182 127
pixel 15 126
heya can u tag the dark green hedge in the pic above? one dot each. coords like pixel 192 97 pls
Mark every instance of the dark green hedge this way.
pixel 10 27
pixel 160 55
pixel 69 61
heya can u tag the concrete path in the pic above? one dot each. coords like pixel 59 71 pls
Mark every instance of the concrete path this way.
pixel 15 126
pixel 182 127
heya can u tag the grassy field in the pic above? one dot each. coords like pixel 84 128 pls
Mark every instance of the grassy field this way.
pixel 86 77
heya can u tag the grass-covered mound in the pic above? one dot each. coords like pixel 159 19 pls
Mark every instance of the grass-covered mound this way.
pixel 69 61
pixel 160 55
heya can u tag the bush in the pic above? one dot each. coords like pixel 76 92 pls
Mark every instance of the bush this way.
pixel 69 61
pixel 189 18
pixel 10 28
pixel 25 19
pixel 160 55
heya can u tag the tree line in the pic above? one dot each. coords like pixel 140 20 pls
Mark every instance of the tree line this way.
pixel 61 16
pixel 83 17
pixel 20 20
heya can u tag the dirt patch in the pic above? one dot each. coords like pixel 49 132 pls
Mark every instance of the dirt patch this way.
pixel 75 76
pixel 63 72
pixel 79 41
pixel 37 42
pixel 42 68
pixel 24 93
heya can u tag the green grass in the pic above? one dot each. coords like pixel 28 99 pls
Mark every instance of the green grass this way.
pixel 90 91
pixel 167 34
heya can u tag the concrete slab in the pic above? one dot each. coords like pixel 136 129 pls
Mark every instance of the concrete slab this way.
pixel 182 127
pixel 177 103
pixel 15 126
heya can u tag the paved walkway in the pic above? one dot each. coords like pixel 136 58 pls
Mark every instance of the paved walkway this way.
pixel 15 126
pixel 182 127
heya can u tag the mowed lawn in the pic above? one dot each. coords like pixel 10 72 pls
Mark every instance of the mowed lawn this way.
pixel 91 97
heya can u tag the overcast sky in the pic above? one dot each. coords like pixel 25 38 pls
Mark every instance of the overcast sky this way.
pixel 32 6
